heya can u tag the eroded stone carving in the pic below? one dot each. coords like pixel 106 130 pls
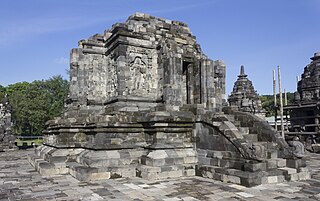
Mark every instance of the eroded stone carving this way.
pixel 140 76
pixel 112 79
pixel 297 147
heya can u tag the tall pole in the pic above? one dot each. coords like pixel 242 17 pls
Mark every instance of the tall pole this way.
pixel 286 113
pixel 275 100
pixel 285 97
pixel 281 103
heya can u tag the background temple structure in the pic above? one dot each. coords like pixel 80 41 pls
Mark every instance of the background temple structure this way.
pixel 305 112
pixel 7 139
pixel 244 97
pixel 145 101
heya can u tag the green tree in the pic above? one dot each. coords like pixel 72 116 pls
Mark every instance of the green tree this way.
pixel 2 92
pixel 17 98
pixel 57 89
pixel 35 103
pixel 268 102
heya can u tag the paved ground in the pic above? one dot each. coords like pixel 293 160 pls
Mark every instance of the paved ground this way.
pixel 19 181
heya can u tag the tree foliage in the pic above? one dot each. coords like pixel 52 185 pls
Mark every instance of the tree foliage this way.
pixel 35 103
pixel 2 92
pixel 268 102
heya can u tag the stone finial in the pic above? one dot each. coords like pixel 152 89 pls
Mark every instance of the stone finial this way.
pixel 242 74
pixel 242 70
pixel 315 56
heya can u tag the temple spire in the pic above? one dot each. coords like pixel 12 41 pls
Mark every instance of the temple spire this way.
pixel 242 70
pixel 242 74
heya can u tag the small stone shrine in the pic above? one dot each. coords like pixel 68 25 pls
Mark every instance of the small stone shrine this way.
pixel 305 112
pixel 244 97
pixel 145 101
pixel 6 138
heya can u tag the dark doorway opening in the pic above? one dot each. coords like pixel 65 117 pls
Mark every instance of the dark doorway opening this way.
pixel 186 85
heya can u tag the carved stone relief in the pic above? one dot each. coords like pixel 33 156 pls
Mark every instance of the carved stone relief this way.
pixel 112 78
pixel 140 81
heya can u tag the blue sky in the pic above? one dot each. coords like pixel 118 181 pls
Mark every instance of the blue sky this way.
pixel 36 36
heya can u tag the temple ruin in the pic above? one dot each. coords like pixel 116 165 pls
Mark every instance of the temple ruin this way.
pixel 244 97
pixel 145 101
pixel 305 112
pixel 7 139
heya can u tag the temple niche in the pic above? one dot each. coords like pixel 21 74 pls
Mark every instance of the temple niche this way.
pixel 145 101
pixel 244 97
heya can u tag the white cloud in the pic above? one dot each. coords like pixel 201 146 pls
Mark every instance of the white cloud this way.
pixel 61 61
pixel 24 29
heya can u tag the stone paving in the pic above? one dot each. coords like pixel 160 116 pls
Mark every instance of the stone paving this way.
pixel 19 181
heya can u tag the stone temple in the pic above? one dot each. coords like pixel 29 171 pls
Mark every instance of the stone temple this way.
pixel 145 101
pixel 305 111
pixel 244 97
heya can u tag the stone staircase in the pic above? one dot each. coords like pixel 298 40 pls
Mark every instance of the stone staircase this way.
pixel 230 166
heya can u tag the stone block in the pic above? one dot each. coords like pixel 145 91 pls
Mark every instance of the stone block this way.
pixel 250 182
pixel 189 172
pixel 153 162
pixel 296 163
pixel 254 167
pixel 170 174
pixel 190 159
pixel 272 154
pixel 272 164
pixel 289 170
pixel 292 177
pixel 231 179
pixel 281 162
pixel 204 161
pixel 149 175
pixel 95 176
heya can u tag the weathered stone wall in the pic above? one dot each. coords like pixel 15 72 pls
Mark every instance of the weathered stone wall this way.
pixel 146 57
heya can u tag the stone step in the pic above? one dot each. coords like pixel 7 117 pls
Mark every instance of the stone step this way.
pixel 243 164
pixel 250 179
pixel 46 169
pixel 165 172
pixel 235 163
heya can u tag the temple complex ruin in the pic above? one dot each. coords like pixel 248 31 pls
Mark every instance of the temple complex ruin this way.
pixel 305 112
pixel 145 101
pixel 7 139
pixel 244 97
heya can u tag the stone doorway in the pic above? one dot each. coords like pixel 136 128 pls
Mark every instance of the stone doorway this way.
pixel 186 85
